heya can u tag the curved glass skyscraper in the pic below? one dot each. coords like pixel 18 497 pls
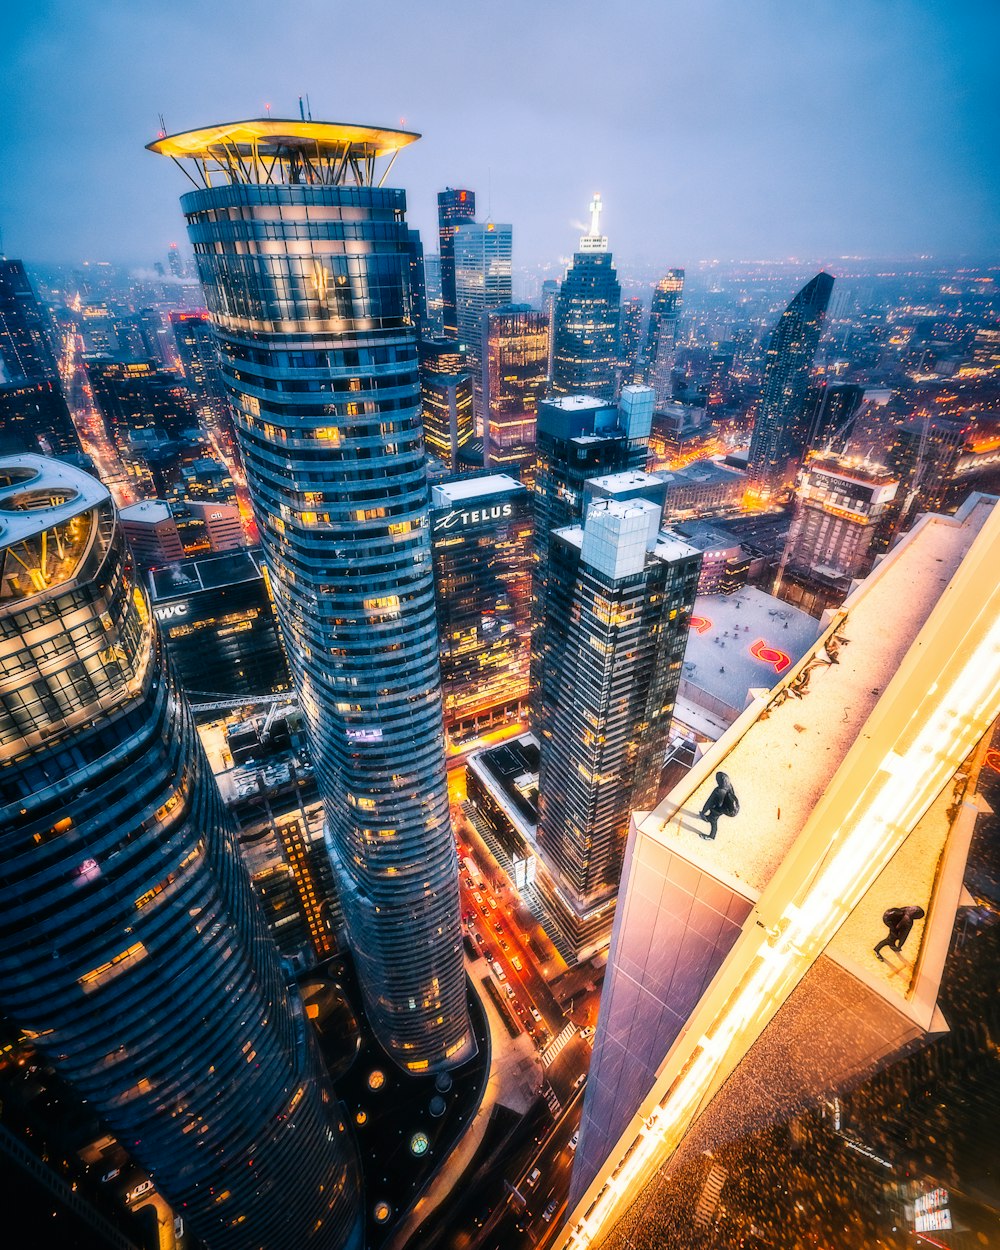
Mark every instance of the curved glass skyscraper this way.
pixel 778 441
pixel 304 258
pixel 132 951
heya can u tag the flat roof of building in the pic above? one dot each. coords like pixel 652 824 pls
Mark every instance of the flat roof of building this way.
pixel 508 763
pixel 186 577
pixel 707 536
pixel 446 494
pixel 701 472
pixel 743 642
pixel 149 511
pixel 270 136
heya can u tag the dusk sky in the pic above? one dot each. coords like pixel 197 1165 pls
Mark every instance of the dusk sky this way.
pixel 713 128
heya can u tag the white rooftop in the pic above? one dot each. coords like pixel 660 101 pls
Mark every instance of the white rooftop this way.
pixel 466 488
pixel 149 512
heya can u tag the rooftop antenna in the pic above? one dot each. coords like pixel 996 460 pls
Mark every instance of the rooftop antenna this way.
pixel 309 111
pixel 489 193
pixel 267 109
pixel 302 110
pixel 163 126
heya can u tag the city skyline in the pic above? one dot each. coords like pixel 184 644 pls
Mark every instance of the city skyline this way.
pixel 903 109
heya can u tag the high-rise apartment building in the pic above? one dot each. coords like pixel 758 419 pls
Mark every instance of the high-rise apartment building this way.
pixel 661 335
pixel 515 375
pixel 923 454
pixel 481 537
pixel 320 358
pixel 456 207
pixel 195 340
pixel 842 522
pixel 777 444
pixel 630 340
pixel 618 604
pixel 446 399
pixel 829 415
pixel 132 951
pixel 579 437
pixel 482 283
pixel 588 308
pixel 742 987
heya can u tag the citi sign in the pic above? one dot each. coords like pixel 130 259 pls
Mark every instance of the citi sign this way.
pixel 473 516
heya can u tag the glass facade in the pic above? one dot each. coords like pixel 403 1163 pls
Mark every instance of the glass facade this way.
pixel 515 374
pixel 481 531
pixel 482 282
pixel 132 952
pixel 455 207
pixel 777 447
pixel 619 601
pixel 306 277
pixel 446 399
pixel 585 335
pixel 661 335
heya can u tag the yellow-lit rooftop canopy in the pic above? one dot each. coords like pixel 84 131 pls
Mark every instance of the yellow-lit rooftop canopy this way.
pixel 274 149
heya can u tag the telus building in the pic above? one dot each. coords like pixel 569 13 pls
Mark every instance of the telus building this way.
pixel 304 258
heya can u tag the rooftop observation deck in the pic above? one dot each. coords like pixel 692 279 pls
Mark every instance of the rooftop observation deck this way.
pixel 272 150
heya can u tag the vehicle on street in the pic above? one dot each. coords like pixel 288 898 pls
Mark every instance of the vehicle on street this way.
pixel 492 902
pixel 484 909
pixel 574 1141
pixel 498 926
pixel 588 1031
pixel 477 896
pixel 549 1211
pixel 499 972
pixel 510 990
pixel 504 945
pixel 533 1176
pixel 480 939
pixel 579 1080
pixel 536 1014
pixel 469 882
pixel 516 963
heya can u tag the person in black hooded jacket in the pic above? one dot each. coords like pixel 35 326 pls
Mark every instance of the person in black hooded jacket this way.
pixel 721 802
pixel 899 922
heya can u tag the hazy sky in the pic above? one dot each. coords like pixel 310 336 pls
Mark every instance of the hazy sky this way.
pixel 713 128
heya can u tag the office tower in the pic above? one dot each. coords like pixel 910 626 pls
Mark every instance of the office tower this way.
pixel 776 446
pixel 742 986
pixel 515 375
pixel 630 343
pixel 829 415
pixel 174 262
pixel 136 396
pixel 455 208
pixel 217 621
pixel 195 341
pixel 585 334
pixel 151 532
pixel 578 437
pixel 25 345
pixel 418 286
pixel 842 521
pixel 550 294
pixel 435 303
pixel 446 399
pixel 330 432
pixel 132 951
pixel 481 539
pixel 482 283
pixel 618 603
pixel 661 336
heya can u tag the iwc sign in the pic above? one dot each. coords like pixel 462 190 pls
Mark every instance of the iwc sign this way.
pixel 460 517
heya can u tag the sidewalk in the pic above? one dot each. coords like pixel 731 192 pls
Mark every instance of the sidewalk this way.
pixel 514 1080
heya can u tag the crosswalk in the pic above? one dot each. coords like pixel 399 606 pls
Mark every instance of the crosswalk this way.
pixel 555 1106
pixel 555 1046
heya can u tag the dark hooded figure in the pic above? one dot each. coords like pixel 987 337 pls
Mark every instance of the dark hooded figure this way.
pixel 899 921
pixel 721 802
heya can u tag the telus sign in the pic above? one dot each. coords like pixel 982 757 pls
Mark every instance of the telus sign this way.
pixel 459 518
